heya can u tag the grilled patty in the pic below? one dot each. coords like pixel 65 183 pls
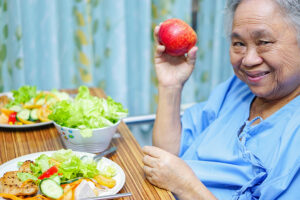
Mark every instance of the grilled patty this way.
pixel 11 184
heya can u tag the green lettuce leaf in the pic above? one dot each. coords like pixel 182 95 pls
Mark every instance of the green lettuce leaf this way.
pixel 72 166
pixel 23 176
pixel 106 169
pixel 41 164
pixel 87 112
pixel 22 95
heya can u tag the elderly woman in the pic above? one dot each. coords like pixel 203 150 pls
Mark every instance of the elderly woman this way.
pixel 243 143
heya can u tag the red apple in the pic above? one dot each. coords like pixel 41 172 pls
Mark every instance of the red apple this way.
pixel 177 36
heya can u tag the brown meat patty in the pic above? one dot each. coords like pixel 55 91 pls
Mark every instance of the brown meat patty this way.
pixel 11 184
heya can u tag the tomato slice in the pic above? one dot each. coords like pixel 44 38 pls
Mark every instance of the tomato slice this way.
pixel 52 170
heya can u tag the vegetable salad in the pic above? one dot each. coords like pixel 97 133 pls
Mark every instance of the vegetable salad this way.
pixel 30 106
pixel 64 175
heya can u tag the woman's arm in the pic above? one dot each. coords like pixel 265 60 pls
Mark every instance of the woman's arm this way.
pixel 172 72
pixel 167 126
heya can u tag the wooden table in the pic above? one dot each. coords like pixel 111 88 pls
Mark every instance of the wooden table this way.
pixel 15 143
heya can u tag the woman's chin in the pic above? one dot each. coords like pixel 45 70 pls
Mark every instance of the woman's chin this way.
pixel 262 93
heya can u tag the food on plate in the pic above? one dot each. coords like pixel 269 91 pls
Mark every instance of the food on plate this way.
pixel 3 101
pixel 177 36
pixel 10 183
pixel 87 112
pixel 28 106
pixel 63 176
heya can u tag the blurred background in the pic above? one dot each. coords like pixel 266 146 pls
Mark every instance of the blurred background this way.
pixel 108 44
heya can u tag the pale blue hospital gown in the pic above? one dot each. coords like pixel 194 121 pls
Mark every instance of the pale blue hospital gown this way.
pixel 237 160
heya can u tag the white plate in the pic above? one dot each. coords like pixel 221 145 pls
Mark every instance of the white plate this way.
pixel 9 94
pixel 25 126
pixel 12 165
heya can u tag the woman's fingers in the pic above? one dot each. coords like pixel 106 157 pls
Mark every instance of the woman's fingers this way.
pixel 152 151
pixel 156 30
pixel 160 49
pixel 148 171
pixel 150 161
pixel 192 55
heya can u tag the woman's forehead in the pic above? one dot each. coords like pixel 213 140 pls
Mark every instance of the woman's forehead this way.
pixel 262 15
pixel 257 9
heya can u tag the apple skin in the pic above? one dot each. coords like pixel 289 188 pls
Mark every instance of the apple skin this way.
pixel 177 36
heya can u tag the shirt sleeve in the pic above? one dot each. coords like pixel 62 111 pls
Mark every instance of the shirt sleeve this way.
pixel 191 126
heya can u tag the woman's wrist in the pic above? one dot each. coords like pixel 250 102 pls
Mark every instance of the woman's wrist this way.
pixel 169 97
pixel 170 87
pixel 194 189
pixel 169 91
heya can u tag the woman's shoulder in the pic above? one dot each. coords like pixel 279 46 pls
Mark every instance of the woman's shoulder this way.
pixel 228 95
pixel 232 92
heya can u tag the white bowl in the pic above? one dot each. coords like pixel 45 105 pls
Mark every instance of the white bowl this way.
pixel 100 140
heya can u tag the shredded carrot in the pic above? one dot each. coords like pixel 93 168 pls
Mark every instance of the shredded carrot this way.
pixel 51 95
pixel 7 112
pixel 25 121
pixel 73 194
pixel 55 162
pixel 72 186
pixel 25 182
pixel 37 197
pixel 43 113
pixel 10 196
pixel 38 97
pixel 32 106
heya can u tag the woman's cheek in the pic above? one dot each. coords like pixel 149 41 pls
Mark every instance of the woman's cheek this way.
pixel 235 60
pixel 234 57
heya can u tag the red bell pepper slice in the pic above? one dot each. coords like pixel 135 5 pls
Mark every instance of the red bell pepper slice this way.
pixel 52 170
pixel 12 118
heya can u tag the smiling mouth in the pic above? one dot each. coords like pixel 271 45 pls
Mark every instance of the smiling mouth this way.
pixel 257 75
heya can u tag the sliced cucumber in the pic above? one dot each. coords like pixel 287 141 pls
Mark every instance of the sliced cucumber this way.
pixel 56 179
pixel 16 108
pixel 51 188
pixel 33 115
pixel 24 114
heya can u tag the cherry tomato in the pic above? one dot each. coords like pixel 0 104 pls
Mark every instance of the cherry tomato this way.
pixel 12 118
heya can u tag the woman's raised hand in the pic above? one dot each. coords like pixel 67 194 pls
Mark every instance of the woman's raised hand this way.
pixel 172 71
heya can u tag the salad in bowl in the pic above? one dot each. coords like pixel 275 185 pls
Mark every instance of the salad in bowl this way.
pixel 87 123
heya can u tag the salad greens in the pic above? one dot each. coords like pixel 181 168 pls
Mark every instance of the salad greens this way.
pixel 22 95
pixel 87 112
pixel 69 165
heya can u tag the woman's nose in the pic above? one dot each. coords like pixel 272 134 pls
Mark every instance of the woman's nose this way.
pixel 251 58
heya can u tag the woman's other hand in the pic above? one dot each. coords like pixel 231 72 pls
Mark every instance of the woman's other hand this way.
pixel 169 172
pixel 172 71
pixel 165 170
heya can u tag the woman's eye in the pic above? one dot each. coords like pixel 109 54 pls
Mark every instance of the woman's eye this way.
pixel 263 42
pixel 238 44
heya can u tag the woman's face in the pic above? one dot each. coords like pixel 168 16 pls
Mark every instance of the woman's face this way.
pixel 264 50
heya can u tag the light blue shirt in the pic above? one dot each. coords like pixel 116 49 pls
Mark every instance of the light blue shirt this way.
pixel 237 160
